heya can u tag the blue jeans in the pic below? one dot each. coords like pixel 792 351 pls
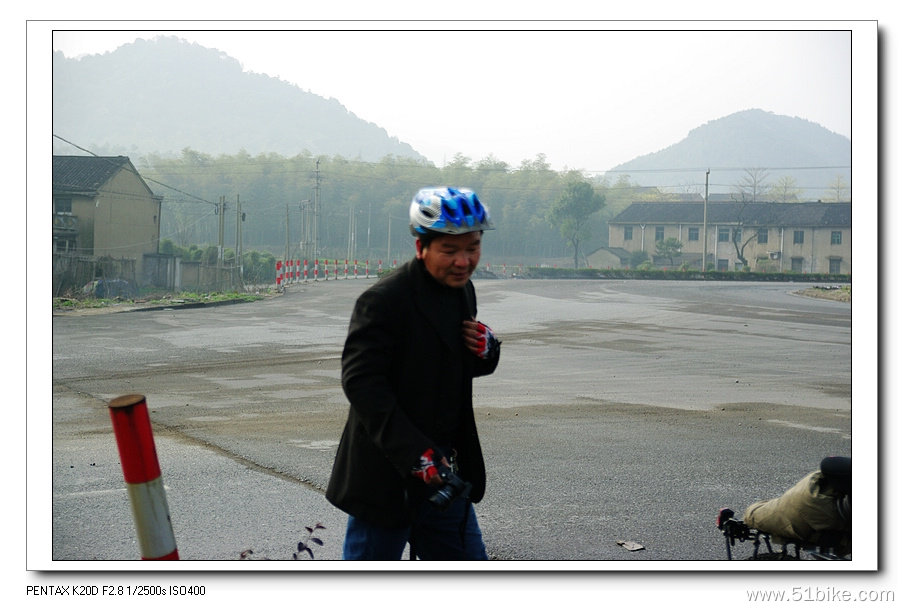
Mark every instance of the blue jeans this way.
pixel 435 535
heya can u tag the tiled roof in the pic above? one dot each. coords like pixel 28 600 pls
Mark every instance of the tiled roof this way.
pixel 84 174
pixel 809 214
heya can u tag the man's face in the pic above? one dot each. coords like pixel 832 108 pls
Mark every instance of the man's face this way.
pixel 451 259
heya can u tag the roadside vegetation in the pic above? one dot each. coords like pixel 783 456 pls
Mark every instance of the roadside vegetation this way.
pixel 832 292
pixel 87 302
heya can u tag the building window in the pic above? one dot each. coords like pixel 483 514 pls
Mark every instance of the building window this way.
pixel 836 237
pixel 798 236
pixel 693 234
pixel 63 245
pixel 722 265
pixel 797 264
pixel 724 234
pixel 62 205
pixel 660 234
pixel 834 265
pixel 629 233
pixel 762 236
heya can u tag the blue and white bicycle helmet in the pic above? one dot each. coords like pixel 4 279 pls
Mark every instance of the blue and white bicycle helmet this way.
pixel 447 210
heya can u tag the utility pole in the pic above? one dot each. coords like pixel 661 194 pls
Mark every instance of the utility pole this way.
pixel 705 203
pixel 239 219
pixel 317 209
pixel 352 247
pixel 286 258
pixel 221 210
pixel 304 244
pixel 369 207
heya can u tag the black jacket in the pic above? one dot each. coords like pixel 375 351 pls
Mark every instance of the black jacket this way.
pixel 408 378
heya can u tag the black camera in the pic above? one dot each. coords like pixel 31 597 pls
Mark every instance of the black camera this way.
pixel 452 488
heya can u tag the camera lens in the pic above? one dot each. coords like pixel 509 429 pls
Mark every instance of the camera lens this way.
pixel 443 497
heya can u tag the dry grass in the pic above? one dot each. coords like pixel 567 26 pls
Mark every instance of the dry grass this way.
pixel 835 293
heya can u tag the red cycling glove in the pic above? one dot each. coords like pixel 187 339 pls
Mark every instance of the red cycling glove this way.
pixel 487 341
pixel 426 471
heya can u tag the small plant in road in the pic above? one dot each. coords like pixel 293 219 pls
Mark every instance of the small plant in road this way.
pixel 303 545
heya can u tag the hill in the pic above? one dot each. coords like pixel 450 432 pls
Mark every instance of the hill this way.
pixel 163 95
pixel 749 139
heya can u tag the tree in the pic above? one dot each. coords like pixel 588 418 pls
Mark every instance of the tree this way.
pixel 737 234
pixel 838 191
pixel 638 258
pixel 784 190
pixel 572 210
pixel 537 164
pixel 670 247
pixel 753 184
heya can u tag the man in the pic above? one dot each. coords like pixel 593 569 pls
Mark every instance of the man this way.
pixel 413 347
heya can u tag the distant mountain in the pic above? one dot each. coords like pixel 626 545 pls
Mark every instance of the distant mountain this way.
pixel 780 145
pixel 166 94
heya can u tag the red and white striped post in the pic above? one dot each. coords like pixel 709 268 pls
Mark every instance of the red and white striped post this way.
pixel 278 273
pixel 305 270
pixel 144 482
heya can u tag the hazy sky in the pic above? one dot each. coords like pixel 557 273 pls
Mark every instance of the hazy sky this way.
pixel 586 99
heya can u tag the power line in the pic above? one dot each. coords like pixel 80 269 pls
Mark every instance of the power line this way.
pixel 196 197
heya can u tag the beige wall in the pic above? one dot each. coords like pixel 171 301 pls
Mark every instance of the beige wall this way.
pixel 122 221
pixel 126 219
pixel 83 210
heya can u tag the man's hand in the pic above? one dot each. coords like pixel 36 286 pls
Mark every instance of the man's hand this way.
pixel 479 338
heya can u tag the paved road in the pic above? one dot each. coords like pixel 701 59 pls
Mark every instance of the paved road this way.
pixel 621 411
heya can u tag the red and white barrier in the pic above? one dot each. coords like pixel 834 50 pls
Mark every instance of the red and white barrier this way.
pixel 296 270
pixel 144 482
